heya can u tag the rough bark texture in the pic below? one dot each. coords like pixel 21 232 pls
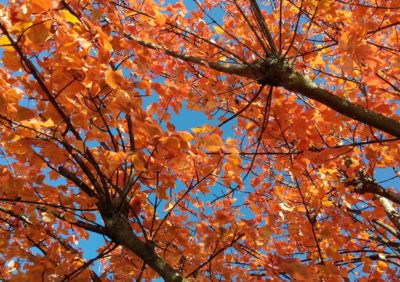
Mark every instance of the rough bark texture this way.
pixel 121 233
pixel 280 75
pixel 277 73
pixel 391 212
pixel 384 196
pixel 370 186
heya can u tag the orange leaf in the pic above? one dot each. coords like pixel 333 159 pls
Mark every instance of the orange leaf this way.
pixel 114 78
pixel 170 142
pixel 40 6
pixel 139 162
pixel 39 33
pixel 212 142
pixel 11 61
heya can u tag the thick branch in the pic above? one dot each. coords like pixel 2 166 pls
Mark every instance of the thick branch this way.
pixel 277 73
pixel 387 227
pixel 391 212
pixel 369 186
pixel 120 231
pixel 300 83
pixel 384 196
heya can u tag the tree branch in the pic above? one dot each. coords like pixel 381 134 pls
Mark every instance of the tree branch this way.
pixel 279 73
pixel 370 186
pixel 121 233
pixel 391 212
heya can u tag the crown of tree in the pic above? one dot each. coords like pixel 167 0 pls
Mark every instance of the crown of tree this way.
pixel 289 179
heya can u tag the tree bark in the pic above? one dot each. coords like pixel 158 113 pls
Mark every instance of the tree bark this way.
pixel 121 233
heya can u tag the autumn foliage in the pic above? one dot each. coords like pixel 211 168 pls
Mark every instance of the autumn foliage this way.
pixel 282 183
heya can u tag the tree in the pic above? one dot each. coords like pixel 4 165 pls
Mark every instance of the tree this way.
pixel 309 87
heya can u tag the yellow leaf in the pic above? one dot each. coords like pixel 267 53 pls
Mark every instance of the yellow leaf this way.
pixel 160 19
pixel 47 123
pixel 69 17
pixel 4 41
pixel 218 29
pixel 127 15
pixel 381 265
pixel 186 135
pixel 21 26
pixel 204 129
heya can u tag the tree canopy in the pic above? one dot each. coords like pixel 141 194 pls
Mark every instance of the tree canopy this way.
pixel 282 183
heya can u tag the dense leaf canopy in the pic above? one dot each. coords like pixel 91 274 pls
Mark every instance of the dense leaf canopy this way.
pixel 302 98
